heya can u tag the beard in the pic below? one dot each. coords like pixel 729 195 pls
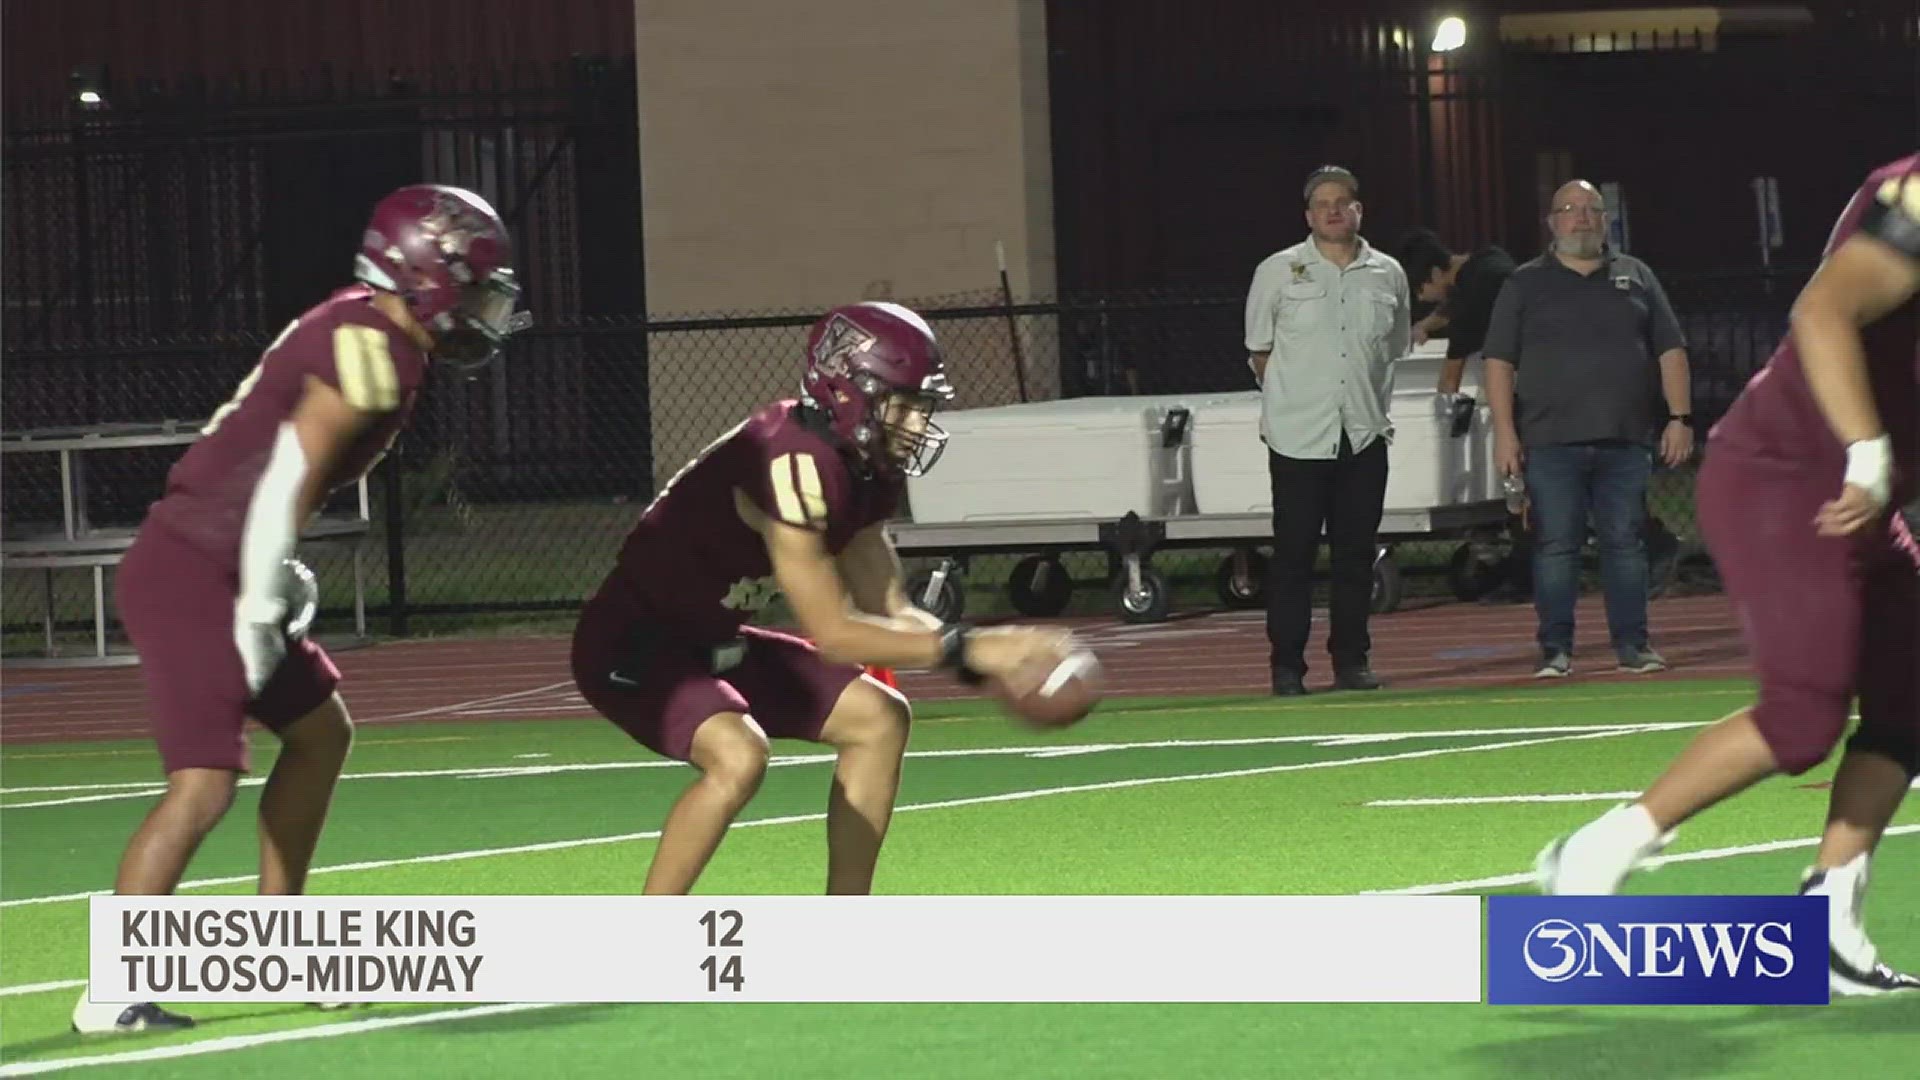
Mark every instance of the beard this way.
pixel 1581 245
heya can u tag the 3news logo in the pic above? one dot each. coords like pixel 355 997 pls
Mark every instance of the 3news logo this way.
pixel 1657 950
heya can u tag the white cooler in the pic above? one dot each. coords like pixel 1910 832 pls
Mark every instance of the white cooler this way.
pixel 1425 466
pixel 1098 457
pixel 1229 460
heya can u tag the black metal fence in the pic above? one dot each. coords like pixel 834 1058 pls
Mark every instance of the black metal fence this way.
pixel 154 248
pixel 231 205
pixel 510 493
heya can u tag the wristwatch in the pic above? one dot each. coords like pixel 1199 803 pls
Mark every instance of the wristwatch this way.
pixel 1680 417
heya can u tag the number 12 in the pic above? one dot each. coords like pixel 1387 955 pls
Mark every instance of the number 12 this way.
pixel 729 940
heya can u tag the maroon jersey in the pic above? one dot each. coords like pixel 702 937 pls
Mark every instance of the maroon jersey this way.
pixel 1776 418
pixel 344 342
pixel 693 561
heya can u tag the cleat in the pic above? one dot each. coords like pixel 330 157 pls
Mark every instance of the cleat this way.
pixel 92 1018
pixel 1596 858
pixel 1557 666
pixel 1853 963
pixel 1846 980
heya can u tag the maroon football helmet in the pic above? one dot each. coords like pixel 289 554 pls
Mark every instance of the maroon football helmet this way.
pixel 876 371
pixel 446 253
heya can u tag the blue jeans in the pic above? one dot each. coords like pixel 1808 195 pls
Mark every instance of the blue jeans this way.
pixel 1565 483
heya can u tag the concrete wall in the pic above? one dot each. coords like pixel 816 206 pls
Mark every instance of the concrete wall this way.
pixel 797 156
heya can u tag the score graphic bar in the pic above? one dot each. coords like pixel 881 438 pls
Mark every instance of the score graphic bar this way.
pixel 786 948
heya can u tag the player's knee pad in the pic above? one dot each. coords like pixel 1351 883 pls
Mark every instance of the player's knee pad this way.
pixel 1897 743
pixel 1801 725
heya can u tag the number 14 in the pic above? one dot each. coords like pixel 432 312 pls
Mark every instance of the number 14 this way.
pixel 728 973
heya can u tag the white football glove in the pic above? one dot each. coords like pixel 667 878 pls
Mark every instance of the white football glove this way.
pixel 260 637
pixel 302 597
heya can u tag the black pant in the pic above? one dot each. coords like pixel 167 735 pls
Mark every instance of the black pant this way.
pixel 1344 496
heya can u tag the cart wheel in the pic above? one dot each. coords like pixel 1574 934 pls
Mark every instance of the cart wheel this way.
pixel 1039 587
pixel 1150 604
pixel 1476 569
pixel 948 603
pixel 1241 580
pixel 1387 585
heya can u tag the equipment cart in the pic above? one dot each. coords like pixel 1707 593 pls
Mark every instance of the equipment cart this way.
pixel 1133 476
pixel 1040 585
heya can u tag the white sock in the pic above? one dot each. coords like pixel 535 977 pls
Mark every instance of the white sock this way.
pixel 1843 887
pixel 1845 890
pixel 1633 823
pixel 1854 867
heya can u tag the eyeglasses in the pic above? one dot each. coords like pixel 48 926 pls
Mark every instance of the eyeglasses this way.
pixel 1570 210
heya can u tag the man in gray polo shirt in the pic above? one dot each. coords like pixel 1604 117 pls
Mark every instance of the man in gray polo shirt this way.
pixel 1326 319
pixel 1586 376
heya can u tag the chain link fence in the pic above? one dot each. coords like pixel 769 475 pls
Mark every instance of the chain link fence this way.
pixel 505 500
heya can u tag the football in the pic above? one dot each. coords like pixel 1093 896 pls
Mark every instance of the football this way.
pixel 1062 690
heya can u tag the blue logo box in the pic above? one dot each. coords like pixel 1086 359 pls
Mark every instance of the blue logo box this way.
pixel 1657 950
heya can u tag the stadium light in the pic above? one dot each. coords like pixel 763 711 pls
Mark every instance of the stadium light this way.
pixel 89 82
pixel 1450 34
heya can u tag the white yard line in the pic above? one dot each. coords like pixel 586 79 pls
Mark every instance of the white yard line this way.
pixel 1489 800
pixel 74 800
pixel 104 792
pixel 42 987
pixel 477 703
pixel 1486 800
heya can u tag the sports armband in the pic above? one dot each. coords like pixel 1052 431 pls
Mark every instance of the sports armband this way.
pixel 1870 467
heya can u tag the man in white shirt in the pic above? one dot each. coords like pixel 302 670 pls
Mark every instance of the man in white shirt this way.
pixel 1326 319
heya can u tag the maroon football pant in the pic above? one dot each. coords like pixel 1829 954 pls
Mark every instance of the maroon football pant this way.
pixel 667 687
pixel 1824 619
pixel 176 603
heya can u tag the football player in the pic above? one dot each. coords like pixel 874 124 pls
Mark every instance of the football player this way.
pixel 792 501
pixel 204 590
pixel 1797 499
